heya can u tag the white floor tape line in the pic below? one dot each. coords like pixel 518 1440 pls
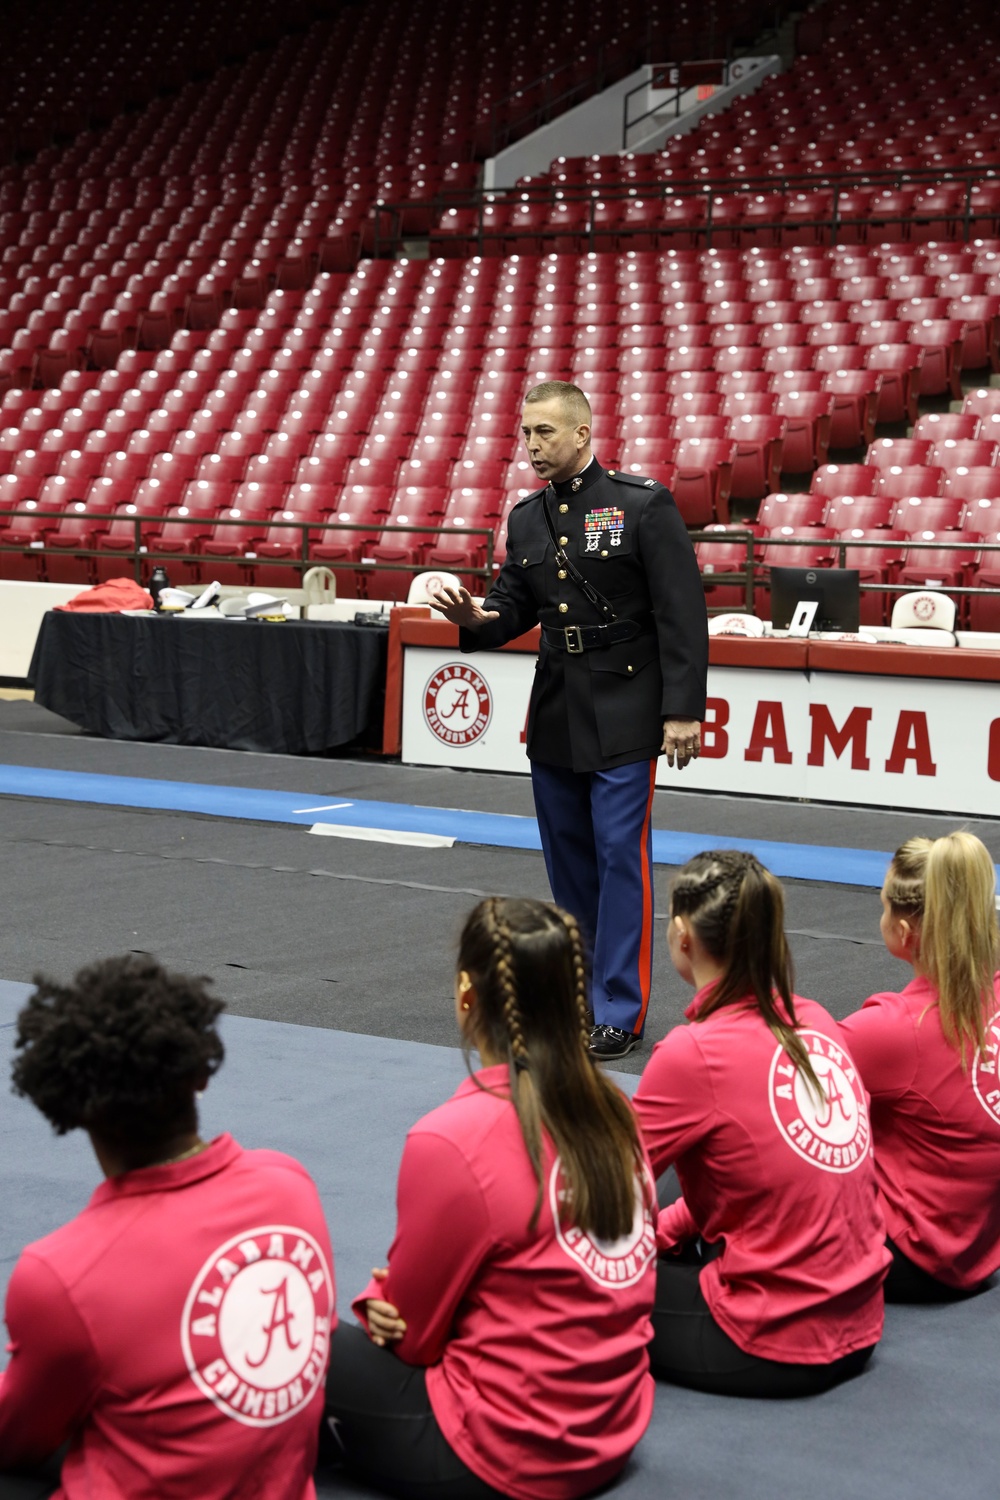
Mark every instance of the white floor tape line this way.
pixel 383 835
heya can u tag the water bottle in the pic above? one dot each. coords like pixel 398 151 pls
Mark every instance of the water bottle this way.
pixel 158 581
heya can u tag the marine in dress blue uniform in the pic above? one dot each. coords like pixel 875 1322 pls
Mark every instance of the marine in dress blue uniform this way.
pixel 602 692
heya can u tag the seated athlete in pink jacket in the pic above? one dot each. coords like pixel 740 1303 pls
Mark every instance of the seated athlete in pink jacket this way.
pixel 175 1334
pixel 928 1057
pixel 506 1345
pixel 769 1281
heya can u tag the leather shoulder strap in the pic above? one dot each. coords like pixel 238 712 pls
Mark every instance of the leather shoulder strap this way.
pixel 588 591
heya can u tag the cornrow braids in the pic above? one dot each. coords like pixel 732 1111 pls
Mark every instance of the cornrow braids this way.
pixel 693 888
pixel 529 965
pixel 579 977
pixel 508 985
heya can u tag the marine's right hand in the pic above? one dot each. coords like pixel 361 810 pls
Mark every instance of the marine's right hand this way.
pixel 458 606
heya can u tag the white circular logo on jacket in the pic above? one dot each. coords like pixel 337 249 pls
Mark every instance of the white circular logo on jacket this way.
pixel 984 1072
pixel 256 1324
pixel 612 1263
pixel 832 1132
pixel 458 704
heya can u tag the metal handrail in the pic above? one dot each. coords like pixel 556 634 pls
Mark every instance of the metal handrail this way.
pixel 750 576
pixel 139 553
pixel 386 241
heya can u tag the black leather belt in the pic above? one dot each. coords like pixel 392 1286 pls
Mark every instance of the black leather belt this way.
pixel 579 638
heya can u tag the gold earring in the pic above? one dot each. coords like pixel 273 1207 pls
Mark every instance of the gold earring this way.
pixel 466 1005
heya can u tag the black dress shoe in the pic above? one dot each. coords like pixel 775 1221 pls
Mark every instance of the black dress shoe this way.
pixel 607 1043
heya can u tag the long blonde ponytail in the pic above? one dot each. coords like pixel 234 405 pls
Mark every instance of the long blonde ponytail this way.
pixel 946 888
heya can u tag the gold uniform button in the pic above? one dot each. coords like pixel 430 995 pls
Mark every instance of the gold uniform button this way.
pixel 563 509
pixel 524 562
pixel 604 553
pixel 563 608
pixel 611 473
pixel 561 573
pixel 563 540
pixel 628 669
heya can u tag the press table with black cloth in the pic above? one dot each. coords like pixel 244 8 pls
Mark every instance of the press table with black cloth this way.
pixel 295 688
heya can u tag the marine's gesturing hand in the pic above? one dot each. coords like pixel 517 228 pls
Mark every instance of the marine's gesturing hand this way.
pixel 458 606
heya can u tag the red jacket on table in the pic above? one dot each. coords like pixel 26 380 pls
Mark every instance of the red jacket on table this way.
pixel 787 1186
pixel 535 1339
pixel 937 1133
pixel 176 1333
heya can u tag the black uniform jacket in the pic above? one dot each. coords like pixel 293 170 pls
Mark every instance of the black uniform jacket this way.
pixel 605 707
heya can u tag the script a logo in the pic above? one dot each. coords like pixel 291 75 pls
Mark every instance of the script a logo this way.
pixel 256 1325
pixel 832 1133
pixel 458 704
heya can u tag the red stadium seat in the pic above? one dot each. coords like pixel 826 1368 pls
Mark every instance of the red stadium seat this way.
pixel 702 482
pixel 943 566
pixel 717 558
pixel 877 555
pixel 940 343
pixel 969 453
pixel 980 319
pixel 856 396
pixel 808 417
pixel 974 486
pixel 844 479
pixel 904 451
pixel 982 402
pixel 899 366
pixel 916 513
pixel 236 540
pixel 791 510
pixel 849 512
pixel 757 463
pixel 902 482
pixel 936 426
pixel 784 547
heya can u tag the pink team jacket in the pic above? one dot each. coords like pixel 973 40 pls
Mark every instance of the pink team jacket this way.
pixel 177 1333
pixel 787 1185
pixel 937 1133
pixel 535 1340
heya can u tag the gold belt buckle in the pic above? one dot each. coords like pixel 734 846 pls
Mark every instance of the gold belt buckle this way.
pixel 574 639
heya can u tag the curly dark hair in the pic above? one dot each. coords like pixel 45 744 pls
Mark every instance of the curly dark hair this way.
pixel 120 1051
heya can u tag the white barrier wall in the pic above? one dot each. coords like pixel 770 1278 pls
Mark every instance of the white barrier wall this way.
pixel 909 742
pixel 22 606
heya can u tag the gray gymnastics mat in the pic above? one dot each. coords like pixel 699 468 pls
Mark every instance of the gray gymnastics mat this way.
pixel 920 1422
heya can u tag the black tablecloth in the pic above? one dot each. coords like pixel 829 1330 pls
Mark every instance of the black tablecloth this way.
pixel 293 688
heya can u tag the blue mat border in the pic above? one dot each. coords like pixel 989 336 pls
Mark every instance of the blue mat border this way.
pixel 823 863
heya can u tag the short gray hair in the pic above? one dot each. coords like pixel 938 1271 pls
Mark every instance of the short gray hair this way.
pixel 574 402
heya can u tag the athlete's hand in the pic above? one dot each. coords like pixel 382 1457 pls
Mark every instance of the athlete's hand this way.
pixel 385 1326
pixel 458 606
pixel 681 739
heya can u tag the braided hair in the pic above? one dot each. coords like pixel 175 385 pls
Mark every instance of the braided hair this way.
pixel 579 955
pixel 737 910
pixel 528 962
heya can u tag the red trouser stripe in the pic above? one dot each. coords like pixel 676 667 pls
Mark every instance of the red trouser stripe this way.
pixel 646 943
